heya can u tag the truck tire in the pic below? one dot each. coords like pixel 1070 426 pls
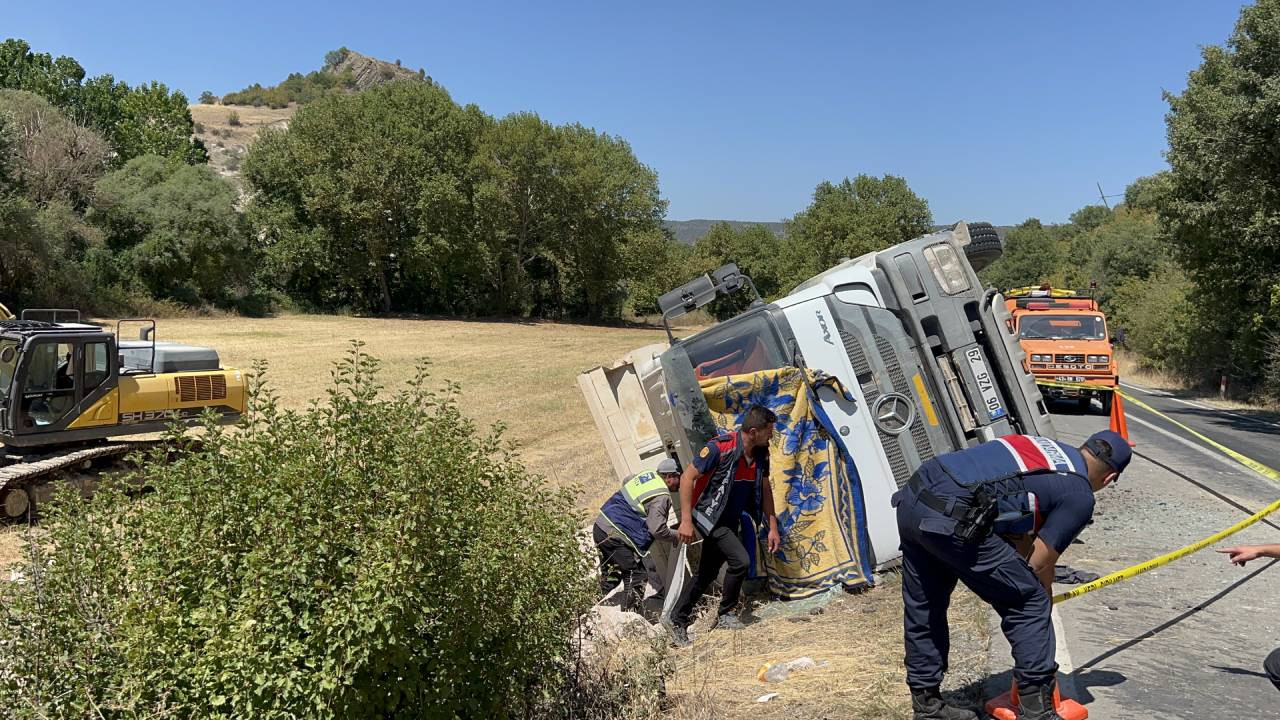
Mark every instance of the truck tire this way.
pixel 1107 399
pixel 985 246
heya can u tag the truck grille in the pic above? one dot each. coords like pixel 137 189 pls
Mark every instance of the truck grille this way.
pixel 1068 358
pixel 918 435
pixel 871 392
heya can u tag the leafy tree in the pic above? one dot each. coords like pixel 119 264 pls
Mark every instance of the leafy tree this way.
pixel 137 121
pixel 173 231
pixel 375 556
pixel 852 218
pixel 1145 193
pixel 1090 216
pixel 208 98
pixel 756 250
pixel 1160 320
pixel 1222 203
pixel 52 159
pixel 655 264
pixel 57 80
pixel 335 57
pixel 339 198
pixel 1033 254
pixel 156 122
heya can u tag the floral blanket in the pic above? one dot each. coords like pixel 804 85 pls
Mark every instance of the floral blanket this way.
pixel 816 490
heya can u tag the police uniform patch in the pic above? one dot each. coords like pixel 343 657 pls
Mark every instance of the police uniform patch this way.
pixel 705 452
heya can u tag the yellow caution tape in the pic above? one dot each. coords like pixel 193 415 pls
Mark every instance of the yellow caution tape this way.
pixel 1077 386
pixel 1167 558
pixel 1248 462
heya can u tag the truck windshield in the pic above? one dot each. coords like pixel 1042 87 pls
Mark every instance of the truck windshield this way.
pixel 8 362
pixel 1063 327
pixel 745 344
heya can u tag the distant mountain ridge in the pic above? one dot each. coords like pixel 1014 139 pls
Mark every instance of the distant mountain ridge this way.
pixel 687 232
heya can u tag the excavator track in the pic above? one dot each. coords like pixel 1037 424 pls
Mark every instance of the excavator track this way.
pixel 20 473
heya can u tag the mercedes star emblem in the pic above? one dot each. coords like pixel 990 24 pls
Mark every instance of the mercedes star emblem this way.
pixel 894 413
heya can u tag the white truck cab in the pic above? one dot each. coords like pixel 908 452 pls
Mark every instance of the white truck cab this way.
pixel 925 352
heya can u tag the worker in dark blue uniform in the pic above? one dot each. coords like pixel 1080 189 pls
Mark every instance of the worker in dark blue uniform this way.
pixel 960 517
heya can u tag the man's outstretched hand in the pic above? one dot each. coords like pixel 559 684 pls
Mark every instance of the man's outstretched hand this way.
pixel 1242 554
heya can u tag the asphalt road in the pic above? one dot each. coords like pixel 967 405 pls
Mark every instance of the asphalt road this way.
pixel 1186 640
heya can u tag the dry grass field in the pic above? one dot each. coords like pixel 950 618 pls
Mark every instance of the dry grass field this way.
pixel 521 374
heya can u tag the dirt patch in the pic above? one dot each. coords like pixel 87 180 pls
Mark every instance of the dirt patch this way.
pixel 228 130
pixel 860 636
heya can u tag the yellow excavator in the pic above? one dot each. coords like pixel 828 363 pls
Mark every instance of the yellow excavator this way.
pixel 67 389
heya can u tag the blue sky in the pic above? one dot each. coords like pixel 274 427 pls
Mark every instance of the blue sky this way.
pixel 992 111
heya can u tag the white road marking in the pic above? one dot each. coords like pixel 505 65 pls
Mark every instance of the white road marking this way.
pixel 1200 405
pixel 1201 449
pixel 1066 681
pixel 1147 390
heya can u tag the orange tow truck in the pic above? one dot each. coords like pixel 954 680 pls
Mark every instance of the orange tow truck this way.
pixel 1065 338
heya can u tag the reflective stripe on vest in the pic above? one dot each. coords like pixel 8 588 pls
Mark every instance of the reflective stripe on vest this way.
pixel 642 488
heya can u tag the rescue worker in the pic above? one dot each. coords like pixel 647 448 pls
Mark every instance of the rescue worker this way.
pixel 951 517
pixel 1241 555
pixel 630 521
pixel 729 475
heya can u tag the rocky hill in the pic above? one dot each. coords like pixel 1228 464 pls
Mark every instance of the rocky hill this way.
pixel 228 127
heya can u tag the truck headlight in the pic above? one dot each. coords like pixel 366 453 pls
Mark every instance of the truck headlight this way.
pixel 1040 358
pixel 1104 359
pixel 947 268
pixel 1092 359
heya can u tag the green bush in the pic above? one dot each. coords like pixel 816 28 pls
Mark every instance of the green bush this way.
pixel 373 556
pixel 1159 319
pixel 233 119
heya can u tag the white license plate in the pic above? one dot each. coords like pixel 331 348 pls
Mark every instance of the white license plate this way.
pixel 986 384
pixel 1070 378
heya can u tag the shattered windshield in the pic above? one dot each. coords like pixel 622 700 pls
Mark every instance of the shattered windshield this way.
pixel 8 362
pixel 1063 327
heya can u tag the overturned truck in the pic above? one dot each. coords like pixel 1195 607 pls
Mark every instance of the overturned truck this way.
pixel 926 360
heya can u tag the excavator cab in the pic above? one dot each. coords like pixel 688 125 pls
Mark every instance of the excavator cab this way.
pixel 50 373
pixel 69 382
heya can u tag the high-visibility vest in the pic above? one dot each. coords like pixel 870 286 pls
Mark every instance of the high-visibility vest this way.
pixel 625 509
pixel 643 487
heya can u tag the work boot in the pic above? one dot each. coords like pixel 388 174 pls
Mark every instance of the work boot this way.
pixel 1035 702
pixel 729 621
pixel 927 704
pixel 680 636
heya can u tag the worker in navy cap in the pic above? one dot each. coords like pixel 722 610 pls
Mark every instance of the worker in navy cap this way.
pixel 995 517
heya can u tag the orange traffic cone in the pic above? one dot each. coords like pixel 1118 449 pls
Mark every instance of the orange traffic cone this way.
pixel 1005 707
pixel 1118 423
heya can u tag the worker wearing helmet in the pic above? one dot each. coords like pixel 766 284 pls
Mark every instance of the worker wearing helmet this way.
pixel 630 521
pixel 954 516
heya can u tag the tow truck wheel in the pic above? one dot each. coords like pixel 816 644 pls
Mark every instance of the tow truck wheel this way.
pixel 16 503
